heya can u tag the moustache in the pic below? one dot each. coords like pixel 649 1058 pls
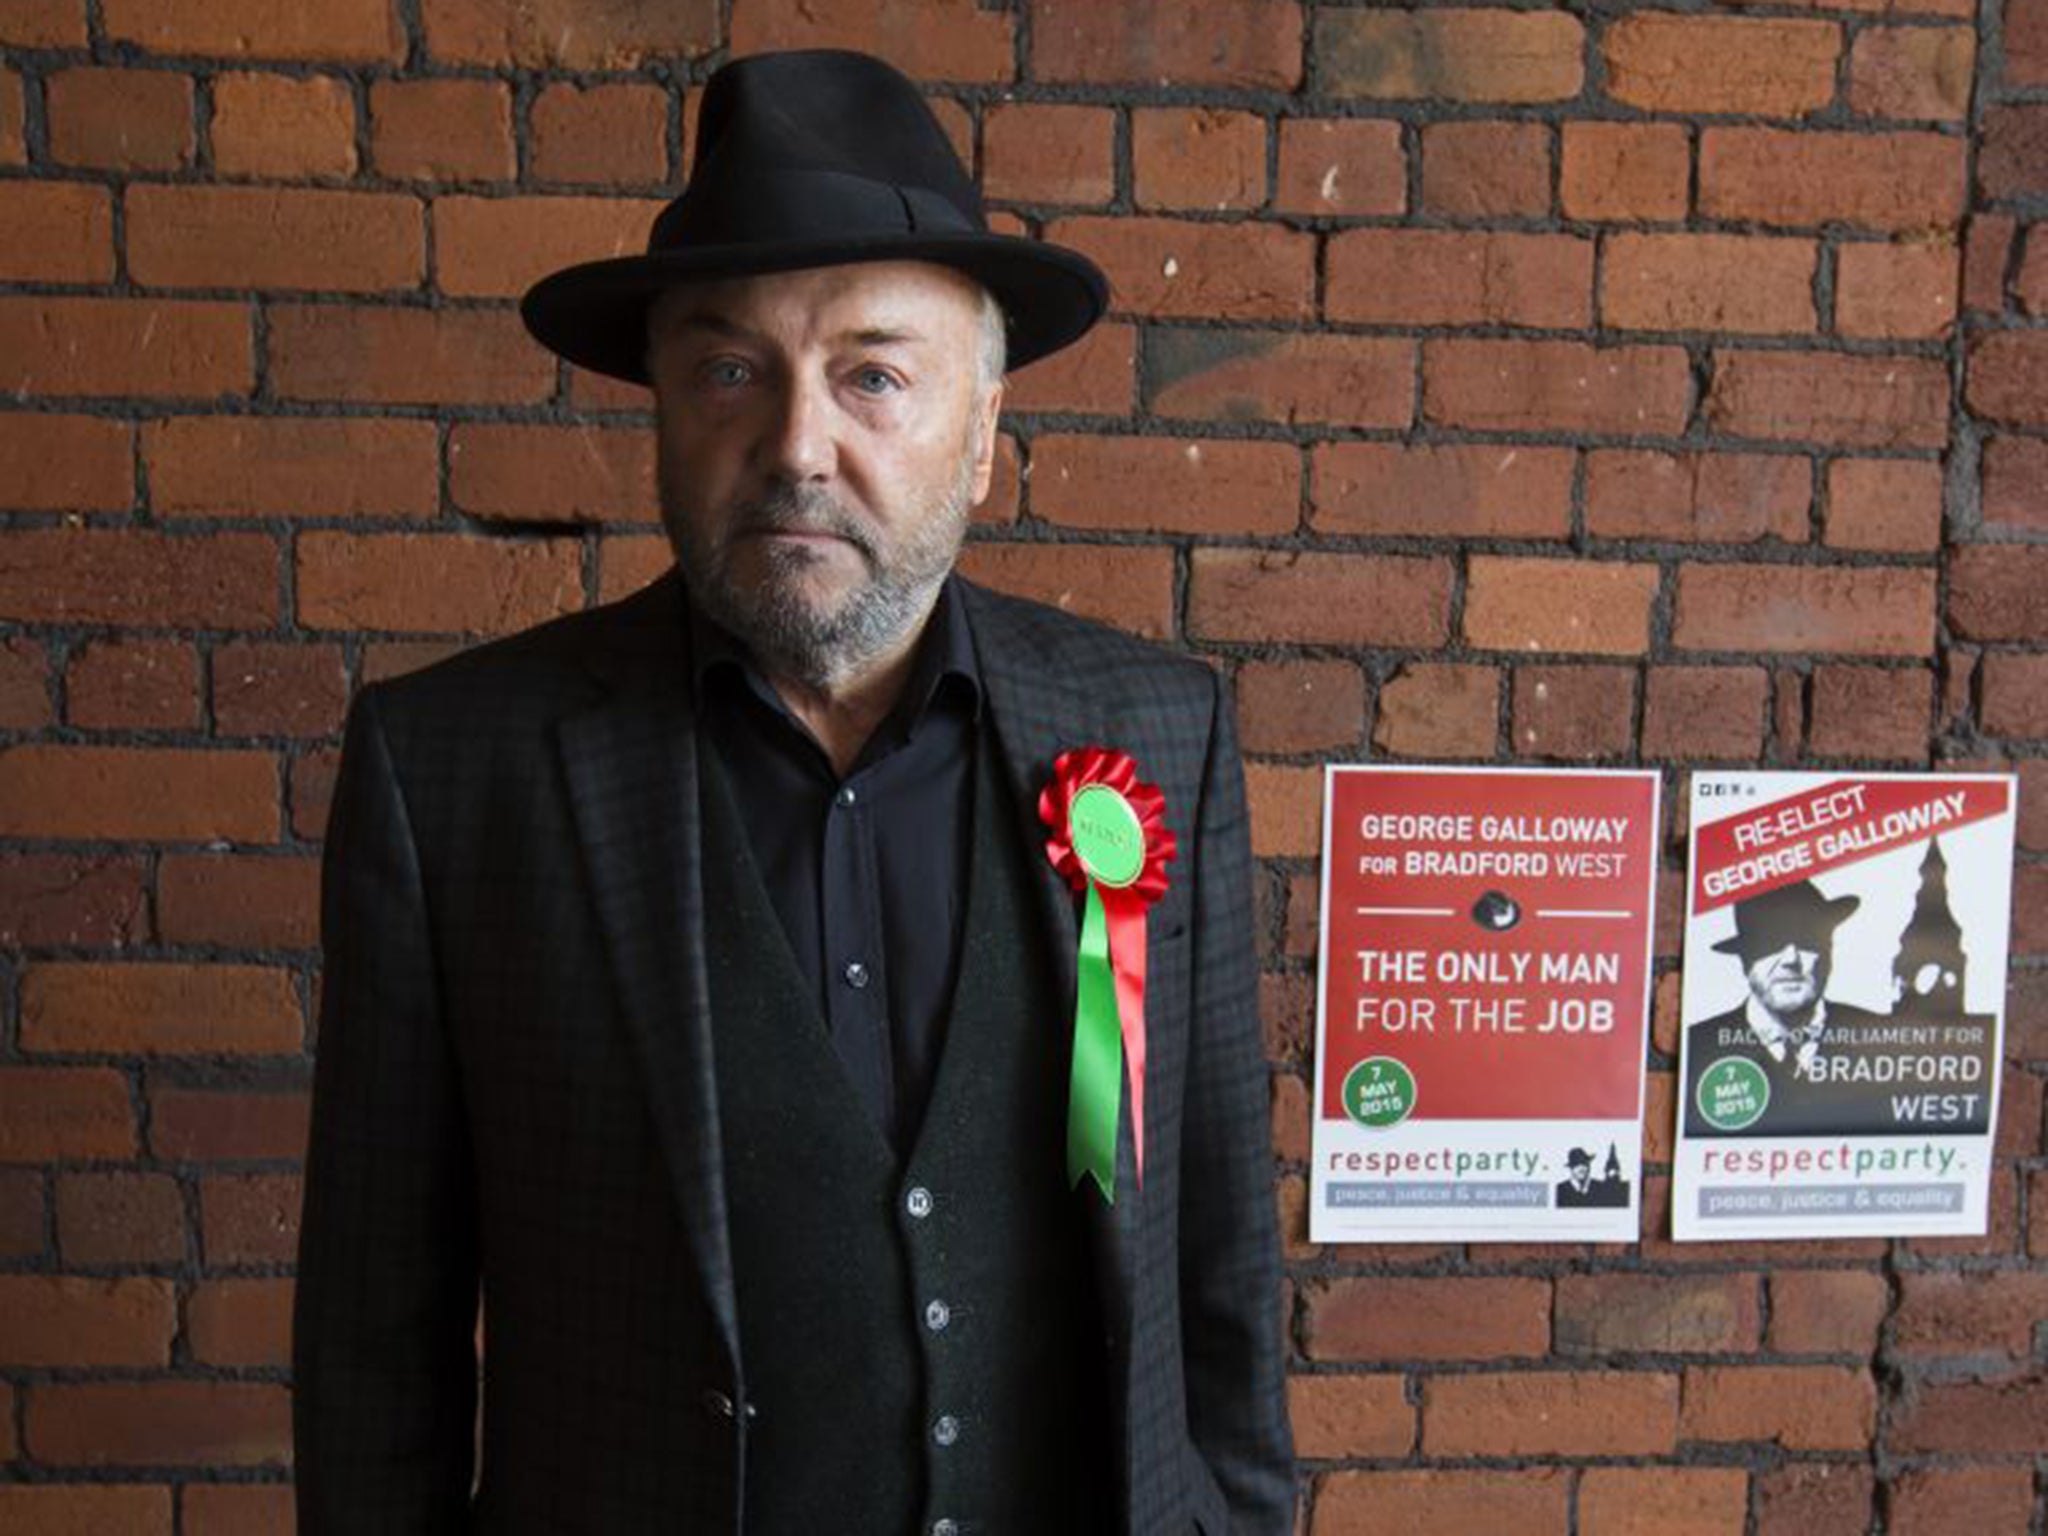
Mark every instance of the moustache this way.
pixel 794 509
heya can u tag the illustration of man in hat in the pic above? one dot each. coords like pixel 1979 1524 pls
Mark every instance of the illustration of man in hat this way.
pixel 1787 1026
pixel 730 990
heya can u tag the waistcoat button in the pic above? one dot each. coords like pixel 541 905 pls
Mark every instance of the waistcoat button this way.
pixel 918 1202
pixel 946 1429
pixel 936 1315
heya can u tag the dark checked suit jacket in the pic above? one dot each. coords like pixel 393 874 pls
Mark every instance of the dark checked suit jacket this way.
pixel 514 1091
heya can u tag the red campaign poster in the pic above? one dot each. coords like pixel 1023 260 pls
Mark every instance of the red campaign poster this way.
pixel 1483 1003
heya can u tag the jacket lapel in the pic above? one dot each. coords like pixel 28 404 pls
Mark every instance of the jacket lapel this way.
pixel 631 767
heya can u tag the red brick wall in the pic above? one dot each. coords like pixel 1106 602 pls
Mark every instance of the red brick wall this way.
pixel 1662 386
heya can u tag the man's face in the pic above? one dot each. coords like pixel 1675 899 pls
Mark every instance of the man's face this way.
pixel 1581 1175
pixel 822 437
pixel 1789 979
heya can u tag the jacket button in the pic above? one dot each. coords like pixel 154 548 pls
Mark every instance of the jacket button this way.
pixel 717 1404
pixel 918 1202
pixel 936 1315
pixel 945 1429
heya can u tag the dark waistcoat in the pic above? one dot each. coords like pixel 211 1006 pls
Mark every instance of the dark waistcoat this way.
pixel 919 1338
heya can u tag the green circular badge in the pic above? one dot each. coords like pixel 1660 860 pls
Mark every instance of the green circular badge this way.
pixel 1109 840
pixel 1379 1092
pixel 1733 1094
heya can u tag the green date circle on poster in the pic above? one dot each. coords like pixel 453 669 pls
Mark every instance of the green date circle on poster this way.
pixel 1732 1094
pixel 1379 1092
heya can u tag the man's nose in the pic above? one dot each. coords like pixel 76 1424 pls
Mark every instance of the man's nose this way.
pixel 800 442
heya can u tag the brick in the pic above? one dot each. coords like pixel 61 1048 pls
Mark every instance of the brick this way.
pixel 2026 42
pixel 1998 592
pixel 1895 182
pixel 1896 290
pixel 1287 1013
pixel 1708 283
pixel 90 346
pixel 496 247
pixel 133 684
pixel 1598 607
pixel 2008 377
pixel 1658 1314
pixel 237 1509
pixel 356 31
pixel 13 112
pixel 1862 611
pixel 552 474
pixel 50 1113
pixel 1346 1416
pixel 297 466
pixel 1574 713
pixel 1446 277
pixel 43 23
pixel 1040 152
pixel 137 793
pixel 1953 1501
pixel 1438 1318
pixel 1871 712
pixel 160 1423
pixel 930 39
pixel 1098 375
pixel 120 1218
pixel 444 130
pixel 274 237
pixel 1918 73
pixel 605 135
pixel 311 790
pixel 1662 62
pixel 1625 171
pixel 1669 1501
pixel 627 563
pixel 2012 154
pixel 1286 810
pixel 21 1214
pixel 1987 250
pixel 1345 167
pixel 1169 485
pixel 1330 599
pixel 1439 709
pixel 1129 587
pixel 1198 157
pixel 249 1219
pixel 55 463
pixel 1801 1407
pixel 1815 1499
pixel 227 581
pixel 239 902
pixel 1968 1314
pixel 2031 284
pixel 1486 170
pixel 24 685
pixel 1299 706
pixel 262 688
pixel 2015 691
pixel 1721 498
pixel 283 126
pixel 393 356
pixel 226 1125
pixel 1827 1311
pixel 1884 504
pixel 57 1509
pixel 1975 1419
pixel 1530 1501
pixel 63 232
pixel 1289 377
pixel 1550 1413
pixel 1862 402
pixel 1454 54
pixel 120 119
pixel 241 1322
pixel 1248 44
pixel 1174 267
pixel 433 583
pixel 1443 490
pixel 1555 386
pixel 71 901
pixel 68 1320
pixel 159 1009
pixel 569 34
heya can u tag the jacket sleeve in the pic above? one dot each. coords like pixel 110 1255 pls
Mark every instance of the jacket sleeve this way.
pixel 1230 1256
pixel 384 1358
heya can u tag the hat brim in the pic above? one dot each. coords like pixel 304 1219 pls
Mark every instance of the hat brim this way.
pixel 1826 918
pixel 595 314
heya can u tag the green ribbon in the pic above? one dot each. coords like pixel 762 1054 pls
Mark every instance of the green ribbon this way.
pixel 1096 1086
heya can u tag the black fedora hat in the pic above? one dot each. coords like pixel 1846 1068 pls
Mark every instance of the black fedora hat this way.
pixel 813 159
pixel 1767 923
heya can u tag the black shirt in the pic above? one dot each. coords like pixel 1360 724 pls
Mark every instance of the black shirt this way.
pixel 868 873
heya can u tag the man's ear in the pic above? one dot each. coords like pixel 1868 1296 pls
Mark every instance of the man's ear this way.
pixel 988 411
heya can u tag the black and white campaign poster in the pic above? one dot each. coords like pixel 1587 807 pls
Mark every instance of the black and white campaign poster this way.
pixel 1843 1004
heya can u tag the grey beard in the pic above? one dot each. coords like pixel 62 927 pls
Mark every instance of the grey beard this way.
pixel 790 635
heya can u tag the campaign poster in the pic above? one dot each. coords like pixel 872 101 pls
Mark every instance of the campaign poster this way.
pixel 1483 1003
pixel 1843 1004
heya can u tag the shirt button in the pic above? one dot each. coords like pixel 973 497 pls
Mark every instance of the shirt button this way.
pixel 856 974
pixel 945 1429
pixel 846 796
pixel 936 1315
pixel 918 1202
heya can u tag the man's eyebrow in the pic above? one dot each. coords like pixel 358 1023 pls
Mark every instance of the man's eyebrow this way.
pixel 886 335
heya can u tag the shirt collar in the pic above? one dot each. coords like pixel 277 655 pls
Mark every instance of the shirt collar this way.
pixel 1775 1036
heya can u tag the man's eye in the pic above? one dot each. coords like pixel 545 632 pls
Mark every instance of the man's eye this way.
pixel 726 373
pixel 875 381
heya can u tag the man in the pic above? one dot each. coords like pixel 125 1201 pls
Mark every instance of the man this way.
pixel 1787 1026
pixel 699 985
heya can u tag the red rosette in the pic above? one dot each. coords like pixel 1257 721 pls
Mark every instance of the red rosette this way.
pixel 1074 771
